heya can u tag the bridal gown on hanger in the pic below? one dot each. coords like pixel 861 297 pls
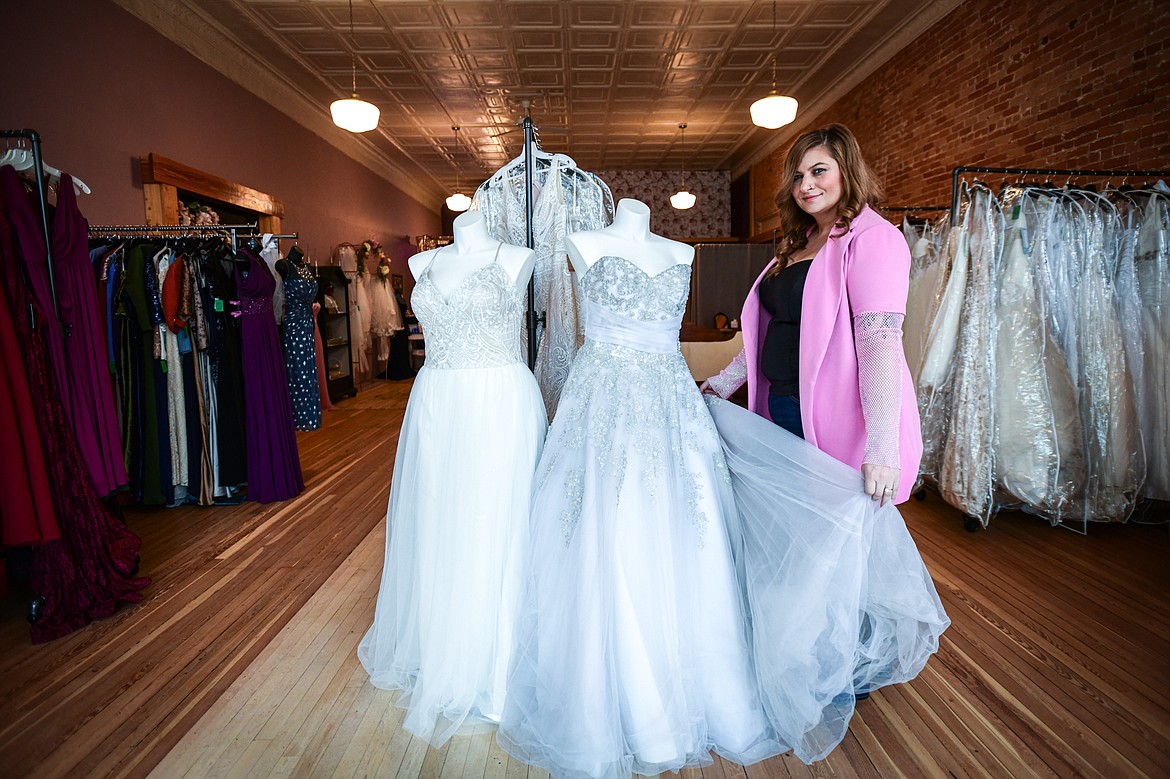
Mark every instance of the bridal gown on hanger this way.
pixel 457 522
pixel 659 622
pixel 565 200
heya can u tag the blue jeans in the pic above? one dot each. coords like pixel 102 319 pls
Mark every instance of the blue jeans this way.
pixel 785 411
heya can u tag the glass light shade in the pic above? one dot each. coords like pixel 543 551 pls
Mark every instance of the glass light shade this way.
pixel 682 200
pixel 773 111
pixel 354 115
pixel 459 202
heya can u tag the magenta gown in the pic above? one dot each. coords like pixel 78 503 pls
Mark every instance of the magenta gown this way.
pixel 274 465
pixel 86 573
pixel 89 394
pixel 76 348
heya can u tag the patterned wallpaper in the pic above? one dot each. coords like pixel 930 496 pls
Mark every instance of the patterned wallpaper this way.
pixel 710 217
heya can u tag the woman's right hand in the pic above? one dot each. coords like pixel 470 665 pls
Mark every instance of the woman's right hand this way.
pixel 705 388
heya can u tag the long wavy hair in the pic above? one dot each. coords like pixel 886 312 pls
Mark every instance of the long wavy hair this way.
pixel 859 188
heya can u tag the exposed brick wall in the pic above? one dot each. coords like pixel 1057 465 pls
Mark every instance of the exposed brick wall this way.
pixel 1005 83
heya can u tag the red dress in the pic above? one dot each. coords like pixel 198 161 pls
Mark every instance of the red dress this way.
pixel 26 502
pixel 86 573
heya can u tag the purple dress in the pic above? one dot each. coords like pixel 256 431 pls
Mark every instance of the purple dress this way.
pixel 89 570
pixel 274 465
pixel 78 357
pixel 90 394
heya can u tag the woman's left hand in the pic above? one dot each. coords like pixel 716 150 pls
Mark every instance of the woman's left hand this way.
pixel 881 481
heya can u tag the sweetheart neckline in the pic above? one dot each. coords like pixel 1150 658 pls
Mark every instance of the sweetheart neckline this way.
pixel 635 266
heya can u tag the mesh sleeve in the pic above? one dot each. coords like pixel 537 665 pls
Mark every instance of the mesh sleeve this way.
pixel 878 336
pixel 730 378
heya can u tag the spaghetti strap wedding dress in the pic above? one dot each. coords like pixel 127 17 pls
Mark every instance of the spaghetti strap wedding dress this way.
pixel 457 521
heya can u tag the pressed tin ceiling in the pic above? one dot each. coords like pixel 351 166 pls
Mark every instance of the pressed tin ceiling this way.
pixel 607 82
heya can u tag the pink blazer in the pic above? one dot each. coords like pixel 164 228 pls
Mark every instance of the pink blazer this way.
pixel 865 270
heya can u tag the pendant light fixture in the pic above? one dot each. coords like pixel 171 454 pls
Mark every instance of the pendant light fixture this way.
pixel 775 110
pixel 459 201
pixel 352 113
pixel 682 200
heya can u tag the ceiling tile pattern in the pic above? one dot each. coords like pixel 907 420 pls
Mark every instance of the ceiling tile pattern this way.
pixel 607 82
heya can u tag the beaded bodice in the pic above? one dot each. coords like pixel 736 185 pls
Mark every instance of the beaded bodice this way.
pixel 255 288
pixel 628 307
pixel 622 287
pixel 300 286
pixel 478 326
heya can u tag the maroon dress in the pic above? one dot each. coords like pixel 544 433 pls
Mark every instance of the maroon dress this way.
pixel 274 465
pixel 86 573
pixel 26 500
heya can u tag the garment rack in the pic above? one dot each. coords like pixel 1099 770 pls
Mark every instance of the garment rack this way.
pixel 912 209
pixel 530 139
pixel 34 139
pixel 235 231
pixel 957 172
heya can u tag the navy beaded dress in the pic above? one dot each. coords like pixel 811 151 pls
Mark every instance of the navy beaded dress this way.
pixel 300 359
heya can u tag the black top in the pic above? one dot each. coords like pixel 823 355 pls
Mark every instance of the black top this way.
pixel 781 297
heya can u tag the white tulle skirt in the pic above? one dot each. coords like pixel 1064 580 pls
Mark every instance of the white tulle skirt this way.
pixel 456 540
pixel 840 600
pixel 699 587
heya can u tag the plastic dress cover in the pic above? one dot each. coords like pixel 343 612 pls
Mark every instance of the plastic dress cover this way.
pixel 1038 430
pixel 927 274
pixel 1151 267
pixel 1114 448
pixel 967 467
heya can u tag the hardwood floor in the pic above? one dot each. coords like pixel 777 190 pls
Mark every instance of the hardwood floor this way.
pixel 240 661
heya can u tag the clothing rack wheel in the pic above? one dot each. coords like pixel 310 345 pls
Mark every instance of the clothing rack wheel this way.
pixel 36 608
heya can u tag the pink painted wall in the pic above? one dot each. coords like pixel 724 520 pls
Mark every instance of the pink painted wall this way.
pixel 102 88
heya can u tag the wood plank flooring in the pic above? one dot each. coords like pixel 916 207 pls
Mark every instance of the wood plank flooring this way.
pixel 241 659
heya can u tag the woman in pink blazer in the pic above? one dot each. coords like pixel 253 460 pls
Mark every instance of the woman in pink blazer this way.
pixel 822 325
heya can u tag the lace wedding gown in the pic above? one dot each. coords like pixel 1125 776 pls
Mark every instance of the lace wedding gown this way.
pixel 457 522
pixel 660 622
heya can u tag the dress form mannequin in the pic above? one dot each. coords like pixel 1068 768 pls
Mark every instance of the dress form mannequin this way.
pixel 472 249
pixel 629 237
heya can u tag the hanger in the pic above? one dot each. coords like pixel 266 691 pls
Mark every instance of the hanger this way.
pixel 21 158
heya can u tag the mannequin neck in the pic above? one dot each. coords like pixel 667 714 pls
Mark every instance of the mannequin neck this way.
pixel 472 235
pixel 631 221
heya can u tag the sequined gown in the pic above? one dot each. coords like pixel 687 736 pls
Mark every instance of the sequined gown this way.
pixel 699 580
pixel 457 520
pixel 633 651
pixel 300 359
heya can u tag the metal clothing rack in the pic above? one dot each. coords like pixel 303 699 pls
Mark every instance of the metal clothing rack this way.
pixel 531 143
pixel 1076 173
pixel 530 139
pixel 913 209
pixel 34 139
pixel 235 231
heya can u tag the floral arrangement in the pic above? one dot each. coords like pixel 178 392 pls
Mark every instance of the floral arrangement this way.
pixel 372 250
pixel 194 214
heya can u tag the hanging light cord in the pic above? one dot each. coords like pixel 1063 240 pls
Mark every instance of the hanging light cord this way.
pixel 458 178
pixel 682 148
pixel 353 61
pixel 773 45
